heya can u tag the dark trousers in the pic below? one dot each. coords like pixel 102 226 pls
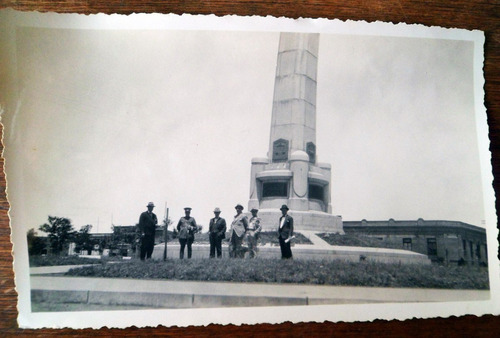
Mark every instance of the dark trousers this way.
pixel 147 246
pixel 235 249
pixel 215 244
pixel 183 242
pixel 286 251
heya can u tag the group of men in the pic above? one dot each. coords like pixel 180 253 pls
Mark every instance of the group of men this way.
pixel 242 229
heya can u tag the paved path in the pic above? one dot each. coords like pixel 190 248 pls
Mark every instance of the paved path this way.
pixel 185 294
pixel 315 239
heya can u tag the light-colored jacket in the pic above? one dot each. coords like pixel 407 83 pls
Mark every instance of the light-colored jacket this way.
pixel 254 224
pixel 239 225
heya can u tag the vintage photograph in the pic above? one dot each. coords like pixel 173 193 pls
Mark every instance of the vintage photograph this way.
pixel 193 170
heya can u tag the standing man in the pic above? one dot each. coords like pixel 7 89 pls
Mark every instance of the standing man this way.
pixel 285 232
pixel 186 228
pixel 238 229
pixel 147 228
pixel 253 231
pixel 216 233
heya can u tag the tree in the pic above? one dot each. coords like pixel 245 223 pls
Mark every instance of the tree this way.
pixel 123 238
pixel 165 224
pixel 59 230
pixel 123 235
pixel 83 239
pixel 36 245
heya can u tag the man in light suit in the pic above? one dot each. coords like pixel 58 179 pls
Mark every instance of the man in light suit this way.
pixel 147 228
pixel 285 232
pixel 254 228
pixel 216 233
pixel 238 228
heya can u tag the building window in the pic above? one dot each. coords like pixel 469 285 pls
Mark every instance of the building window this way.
pixel 280 150
pixel 471 246
pixel 478 251
pixel 275 189
pixel 464 245
pixel 316 192
pixel 407 243
pixel 431 247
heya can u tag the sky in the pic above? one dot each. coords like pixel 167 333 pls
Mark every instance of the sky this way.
pixel 101 122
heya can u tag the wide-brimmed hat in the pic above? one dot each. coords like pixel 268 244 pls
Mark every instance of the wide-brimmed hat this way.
pixel 187 209
pixel 150 204
pixel 254 209
pixel 216 210
pixel 284 206
pixel 239 206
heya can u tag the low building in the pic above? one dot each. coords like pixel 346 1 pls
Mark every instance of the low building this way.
pixel 123 239
pixel 128 232
pixel 441 241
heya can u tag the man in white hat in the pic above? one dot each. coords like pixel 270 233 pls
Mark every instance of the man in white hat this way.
pixel 147 228
pixel 238 228
pixel 216 233
pixel 254 228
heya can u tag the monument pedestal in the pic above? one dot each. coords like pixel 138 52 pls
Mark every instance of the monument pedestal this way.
pixel 302 220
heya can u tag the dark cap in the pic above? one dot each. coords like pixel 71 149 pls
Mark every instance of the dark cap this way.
pixel 284 206
pixel 187 209
pixel 239 206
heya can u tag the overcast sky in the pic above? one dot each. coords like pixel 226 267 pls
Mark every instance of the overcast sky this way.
pixel 106 121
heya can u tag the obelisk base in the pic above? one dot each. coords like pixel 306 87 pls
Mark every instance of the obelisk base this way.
pixel 303 220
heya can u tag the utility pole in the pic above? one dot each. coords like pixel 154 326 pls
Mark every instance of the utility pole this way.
pixel 165 233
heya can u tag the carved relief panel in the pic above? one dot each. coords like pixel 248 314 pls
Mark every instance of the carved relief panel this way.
pixel 280 150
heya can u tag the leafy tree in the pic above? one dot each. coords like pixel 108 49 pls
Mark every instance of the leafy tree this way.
pixel 167 221
pixel 123 238
pixel 59 230
pixel 165 225
pixel 83 239
pixel 123 235
pixel 36 245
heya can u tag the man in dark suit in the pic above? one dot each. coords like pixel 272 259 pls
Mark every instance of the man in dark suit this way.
pixel 285 232
pixel 216 233
pixel 147 228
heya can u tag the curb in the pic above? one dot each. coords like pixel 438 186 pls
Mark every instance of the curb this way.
pixel 177 301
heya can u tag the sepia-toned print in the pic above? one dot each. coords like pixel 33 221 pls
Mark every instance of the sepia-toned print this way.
pixel 194 170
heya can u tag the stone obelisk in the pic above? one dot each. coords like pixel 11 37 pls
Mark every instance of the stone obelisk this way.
pixel 291 174
pixel 294 102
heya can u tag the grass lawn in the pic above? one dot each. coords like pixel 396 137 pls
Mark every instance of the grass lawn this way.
pixel 296 271
pixel 53 260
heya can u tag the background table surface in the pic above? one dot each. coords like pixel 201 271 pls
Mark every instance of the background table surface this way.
pixel 469 14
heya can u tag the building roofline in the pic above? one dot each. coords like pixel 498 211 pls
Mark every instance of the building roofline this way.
pixel 412 223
